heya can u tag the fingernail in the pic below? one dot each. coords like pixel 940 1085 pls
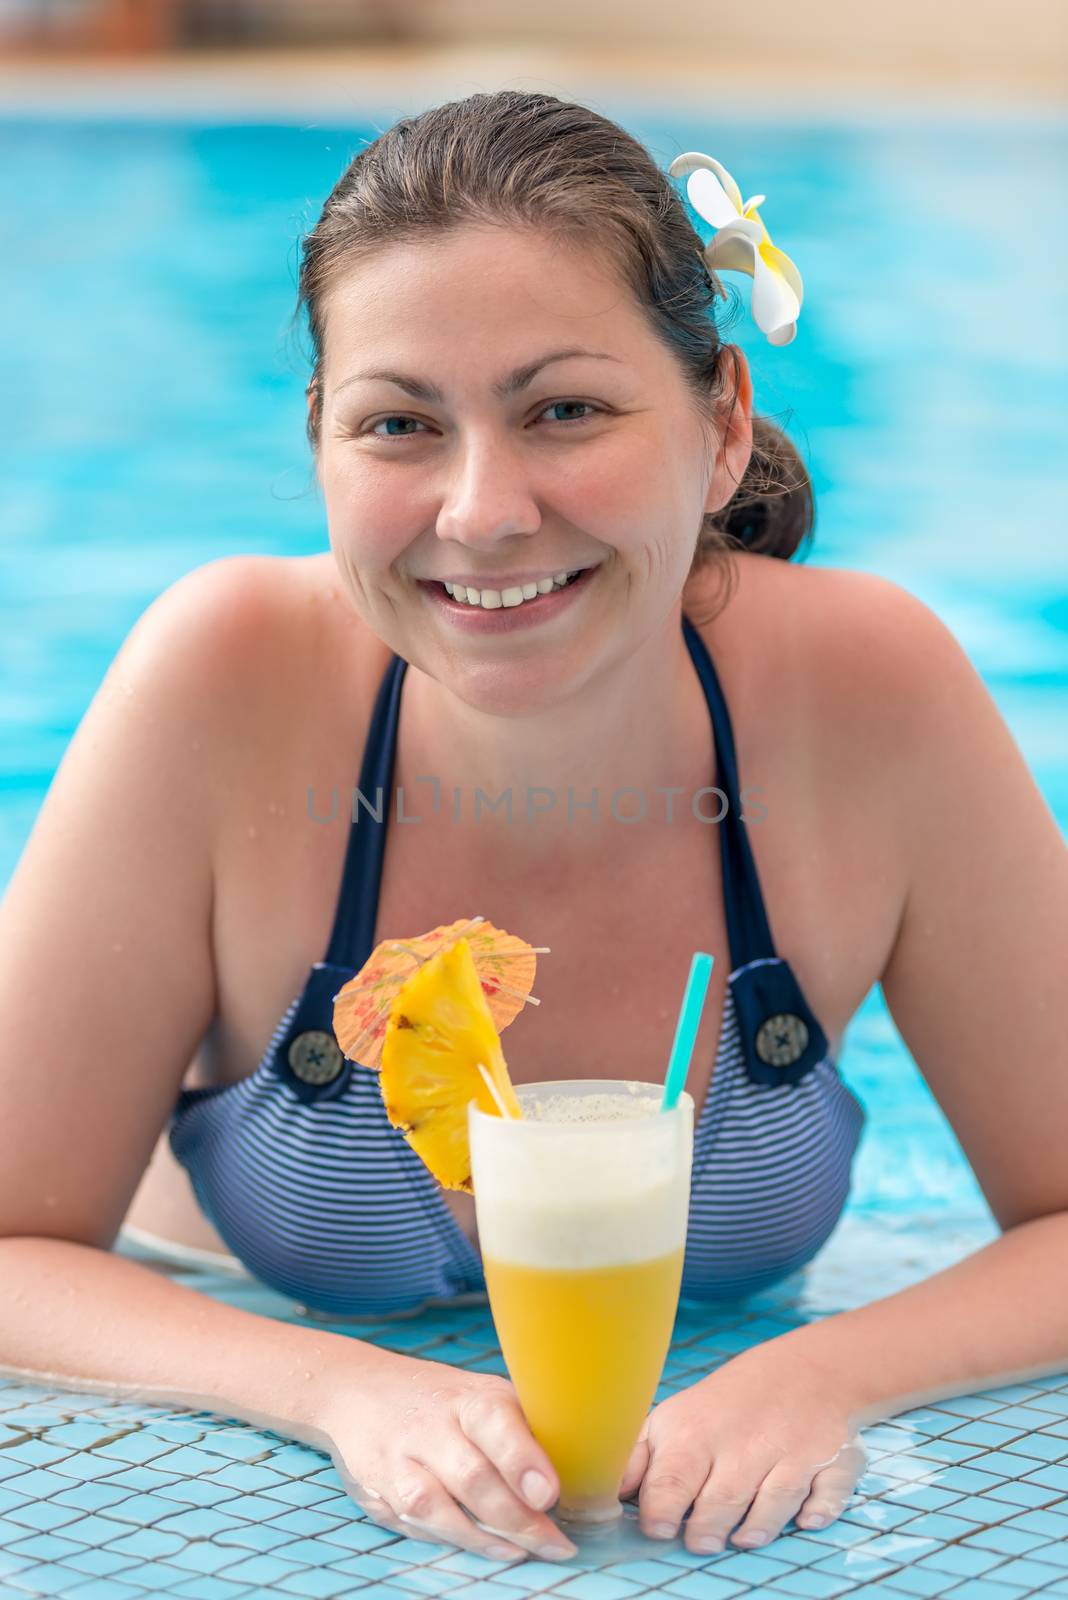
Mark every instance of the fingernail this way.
pixel 708 1545
pixel 501 1552
pixel 814 1520
pixel 536 1490
pixel 753 1536
pixel 556 1552
pixel 662 1530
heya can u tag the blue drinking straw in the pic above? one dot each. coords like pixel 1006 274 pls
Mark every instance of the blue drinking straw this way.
pixel 686 1029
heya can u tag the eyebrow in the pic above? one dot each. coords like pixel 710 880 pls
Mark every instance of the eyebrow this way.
pixel 511 384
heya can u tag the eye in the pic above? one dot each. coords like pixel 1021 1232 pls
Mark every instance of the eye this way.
pixel 590 408
pixel 398 417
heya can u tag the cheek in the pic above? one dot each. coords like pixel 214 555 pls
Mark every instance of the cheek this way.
pixel 371 513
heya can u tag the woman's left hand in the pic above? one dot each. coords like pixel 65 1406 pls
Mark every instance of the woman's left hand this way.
pixel 766 1437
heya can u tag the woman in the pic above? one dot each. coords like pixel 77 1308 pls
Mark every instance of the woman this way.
pixel 537 459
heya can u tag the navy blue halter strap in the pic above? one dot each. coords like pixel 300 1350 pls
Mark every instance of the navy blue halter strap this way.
pixel 782 1040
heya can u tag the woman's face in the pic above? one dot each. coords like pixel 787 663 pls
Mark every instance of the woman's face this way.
pixel 461 445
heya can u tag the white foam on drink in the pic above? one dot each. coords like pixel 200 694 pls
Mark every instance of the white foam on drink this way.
pixel 607 1190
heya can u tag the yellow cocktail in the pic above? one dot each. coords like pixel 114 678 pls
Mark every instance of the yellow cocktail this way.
pixel 582 1207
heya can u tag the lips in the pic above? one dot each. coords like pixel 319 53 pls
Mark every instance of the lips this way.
pixel 502 619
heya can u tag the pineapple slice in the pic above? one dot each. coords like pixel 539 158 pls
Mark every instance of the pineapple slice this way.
pixel 439 1030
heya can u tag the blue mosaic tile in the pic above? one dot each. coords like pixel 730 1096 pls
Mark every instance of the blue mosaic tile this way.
pixel 89 1496
pixel 205 1588
pixel 303 1492
pixel 487 1590
pixel 99 1563
pixel 1055 1402
pixel 854 1564
pixel 203 1557
pixel 306 1523
pixel 43 1515
pixel 99 1530
pixel 199 1524
pixel 145 1480
pixel 373 1568
pixel 939 1525
pixel 1044 1446
pixel 818 1585
pixel 44 1547
pixel 1031 1572
pixel 649 1574
pixel 535 1576
pixel 260 1537
pixel 195 1492
pixel 983 1589
pixel 147 1543
pixel 965 1562
pixel 35 1453
pixel 1008 1541
pixel 360 1536
pixel 428 1580
pixel 703 1586
pixel 925 1585
pixel 261 1569
pixel 748 1567
pixel 1023 1494
pixel 320 1585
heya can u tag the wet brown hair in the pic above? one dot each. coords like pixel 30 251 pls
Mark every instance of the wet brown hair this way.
pixel 532 160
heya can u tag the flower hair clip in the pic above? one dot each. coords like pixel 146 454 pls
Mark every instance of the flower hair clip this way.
pixel 743 244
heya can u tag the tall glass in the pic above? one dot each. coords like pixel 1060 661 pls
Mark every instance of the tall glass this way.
pixel 582 1207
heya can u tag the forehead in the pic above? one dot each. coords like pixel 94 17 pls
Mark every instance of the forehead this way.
pixel 480 285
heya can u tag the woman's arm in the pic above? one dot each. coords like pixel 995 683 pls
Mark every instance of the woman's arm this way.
pixel 107 984
pixel 977 982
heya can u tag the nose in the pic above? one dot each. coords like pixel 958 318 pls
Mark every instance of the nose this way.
pixel 488 497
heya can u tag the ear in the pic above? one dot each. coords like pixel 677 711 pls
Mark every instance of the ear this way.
pixel 736 429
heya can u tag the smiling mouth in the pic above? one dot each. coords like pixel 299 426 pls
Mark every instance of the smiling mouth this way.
pixel 511 596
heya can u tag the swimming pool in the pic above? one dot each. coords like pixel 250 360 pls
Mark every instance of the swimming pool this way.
pixel 159 415
pixel 159 424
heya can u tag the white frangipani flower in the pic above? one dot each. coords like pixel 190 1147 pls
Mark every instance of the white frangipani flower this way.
pixel 743 244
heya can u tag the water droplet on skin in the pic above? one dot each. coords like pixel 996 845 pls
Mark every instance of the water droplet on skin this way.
pixel 251 831
pixel 116 947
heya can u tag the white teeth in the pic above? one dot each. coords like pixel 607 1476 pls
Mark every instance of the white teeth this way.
pixel 494 599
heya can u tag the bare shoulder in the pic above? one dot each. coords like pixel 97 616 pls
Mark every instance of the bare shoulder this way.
pixel 258 643
pixel 847 658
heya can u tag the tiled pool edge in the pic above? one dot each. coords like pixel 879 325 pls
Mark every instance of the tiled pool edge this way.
pixel 109 1500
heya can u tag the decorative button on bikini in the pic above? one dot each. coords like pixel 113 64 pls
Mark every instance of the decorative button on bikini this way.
pixel 782 1040
pixel 315 1057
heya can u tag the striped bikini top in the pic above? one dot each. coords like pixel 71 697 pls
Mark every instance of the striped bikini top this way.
pixel 301 1173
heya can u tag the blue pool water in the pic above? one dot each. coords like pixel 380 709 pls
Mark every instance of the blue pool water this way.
pixel 155 421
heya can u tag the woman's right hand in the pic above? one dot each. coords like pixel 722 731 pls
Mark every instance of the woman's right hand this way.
pixel 429 1451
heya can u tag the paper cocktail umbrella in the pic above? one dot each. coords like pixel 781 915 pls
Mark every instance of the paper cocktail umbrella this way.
pixel 505 967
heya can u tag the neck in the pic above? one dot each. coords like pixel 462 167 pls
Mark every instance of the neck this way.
pixel 642 726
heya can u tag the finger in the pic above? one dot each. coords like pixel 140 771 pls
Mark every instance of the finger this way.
pixel 636 1468
pixel 476 1485
pixel 672 1479
pixel 427 1511
pixel 720 1504
pixel 833 1486
pixel 785 1488
pixel 494 1423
